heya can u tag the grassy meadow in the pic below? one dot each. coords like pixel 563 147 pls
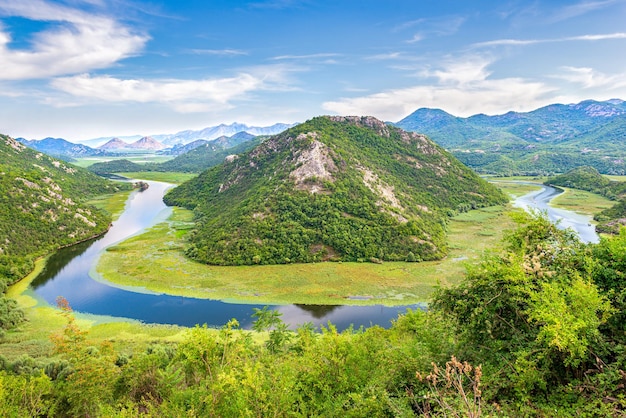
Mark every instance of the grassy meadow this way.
pixel 155 261
pixel 138 157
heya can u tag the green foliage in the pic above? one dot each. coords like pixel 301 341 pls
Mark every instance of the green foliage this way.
pixel 584 178
pixel 533 307
pixel 41 209
pixel 252 211
pixel 552 139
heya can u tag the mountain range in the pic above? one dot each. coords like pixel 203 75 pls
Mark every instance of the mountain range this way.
pixel 332 188
pixel 145 143
pixel 208 134
pixel 61 148
pixel 554 138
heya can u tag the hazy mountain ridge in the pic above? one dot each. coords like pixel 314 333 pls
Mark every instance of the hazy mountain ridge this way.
pixel 553 138
pixel 208 134
pixel 145 143
pixel 341 188
pixel 61 148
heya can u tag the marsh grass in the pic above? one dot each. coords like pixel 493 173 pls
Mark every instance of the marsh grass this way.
pixel 155 261
pixel 582 202
pixel 112 204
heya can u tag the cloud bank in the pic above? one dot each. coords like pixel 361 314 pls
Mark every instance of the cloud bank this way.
pixel 77 42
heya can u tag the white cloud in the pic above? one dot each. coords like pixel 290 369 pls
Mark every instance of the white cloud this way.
pixel 78 42
pixel 225 52
pixel 183 94
pixel 462 87
pixel 590 78
pixel 522 42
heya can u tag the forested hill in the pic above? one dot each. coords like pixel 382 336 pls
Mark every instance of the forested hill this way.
pixel 332 188
pixel 194 161
pixel 551 139
pixel 42 206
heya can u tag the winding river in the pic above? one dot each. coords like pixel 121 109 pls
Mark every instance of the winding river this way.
pixel 71 273
pixel 540 199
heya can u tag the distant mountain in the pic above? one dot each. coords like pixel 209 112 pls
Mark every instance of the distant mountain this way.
pixel 147 143
pixel 61 148
pixel 208 134
pixel 113 144
pixel 205 156
pixel 214 132
pixel 179 149
pixel 554 138
pixel 332 188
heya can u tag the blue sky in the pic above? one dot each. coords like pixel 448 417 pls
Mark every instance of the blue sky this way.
pixel 80 69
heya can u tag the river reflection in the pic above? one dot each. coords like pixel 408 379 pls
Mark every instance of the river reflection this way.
pixel 68 273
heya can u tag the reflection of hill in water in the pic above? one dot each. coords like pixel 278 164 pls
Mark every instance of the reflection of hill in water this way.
pixel 318 311
pixel 57 261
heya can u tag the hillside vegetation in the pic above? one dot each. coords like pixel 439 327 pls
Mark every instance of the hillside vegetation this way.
pixel 535 329
pixel 333 188
pixel 552 139
pixel 196 160
pixel 42 207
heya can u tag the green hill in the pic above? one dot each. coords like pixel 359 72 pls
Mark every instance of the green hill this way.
pixel 42 206
pixel 194 161
pixel 589 179
pixel 551 139
pixel 333 188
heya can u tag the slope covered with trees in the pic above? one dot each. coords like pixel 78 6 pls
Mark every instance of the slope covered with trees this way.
pixel 42 207
pixel 548 140
pixel 339 188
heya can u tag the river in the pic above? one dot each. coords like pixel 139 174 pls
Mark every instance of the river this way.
pixel 71 273
pixel 540 199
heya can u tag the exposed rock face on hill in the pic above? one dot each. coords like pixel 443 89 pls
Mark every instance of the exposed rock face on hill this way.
pixel 340 188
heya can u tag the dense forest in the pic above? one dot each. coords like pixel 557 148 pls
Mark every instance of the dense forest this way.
pixel 537 328
pixel 351 189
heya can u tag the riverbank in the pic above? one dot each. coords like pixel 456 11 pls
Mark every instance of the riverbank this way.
pixel 155 261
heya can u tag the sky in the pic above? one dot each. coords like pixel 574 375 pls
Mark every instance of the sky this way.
pixel 82 69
